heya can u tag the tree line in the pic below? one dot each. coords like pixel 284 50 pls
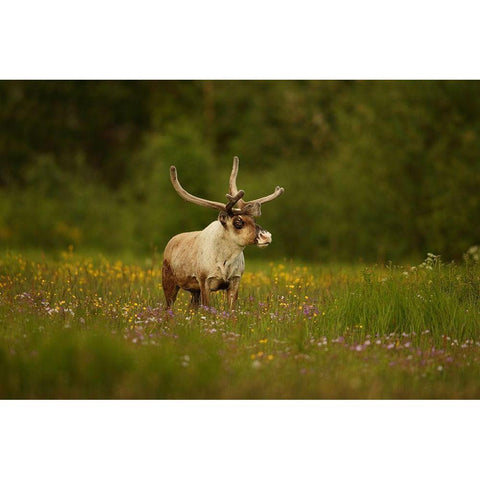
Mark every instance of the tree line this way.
pixel 373 170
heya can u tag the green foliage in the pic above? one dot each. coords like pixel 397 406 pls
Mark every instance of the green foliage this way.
pixel 159 214
pixel 372 170
pixel 405 170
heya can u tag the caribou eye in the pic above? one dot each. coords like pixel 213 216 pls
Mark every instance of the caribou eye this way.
pixel 238 223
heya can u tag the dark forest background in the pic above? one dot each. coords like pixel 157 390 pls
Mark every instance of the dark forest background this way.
pixel 373 170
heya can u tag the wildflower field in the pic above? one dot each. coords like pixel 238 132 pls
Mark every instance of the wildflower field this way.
pixel 79 327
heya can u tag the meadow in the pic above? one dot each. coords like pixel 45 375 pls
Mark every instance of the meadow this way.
pixel 79 326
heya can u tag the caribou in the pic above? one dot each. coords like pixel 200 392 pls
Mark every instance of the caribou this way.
pixel 212 259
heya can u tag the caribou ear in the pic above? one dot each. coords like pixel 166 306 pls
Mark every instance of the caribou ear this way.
pixel 222 218
pixel 253 209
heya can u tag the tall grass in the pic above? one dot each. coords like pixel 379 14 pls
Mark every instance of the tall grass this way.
pixel 81 327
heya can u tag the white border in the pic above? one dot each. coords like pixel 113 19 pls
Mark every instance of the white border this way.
pixel 238 439
pixel 253 39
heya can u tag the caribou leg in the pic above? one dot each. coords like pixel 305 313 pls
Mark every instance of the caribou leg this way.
pixel 169 284
pixel 195 300
pixel 204 292
pixel 232 292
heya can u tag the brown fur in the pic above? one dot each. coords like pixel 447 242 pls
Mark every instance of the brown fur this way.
pixel 169 284
pixel 248 233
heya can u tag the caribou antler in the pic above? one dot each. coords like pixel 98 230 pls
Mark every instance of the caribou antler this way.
pixel 232 200
pixel 235 196
pixel 202 201
pixel 278 191
pixel 232 184
pixel 188 196
pixel 253 207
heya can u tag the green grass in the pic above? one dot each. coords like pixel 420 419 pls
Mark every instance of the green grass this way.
pixel 79 327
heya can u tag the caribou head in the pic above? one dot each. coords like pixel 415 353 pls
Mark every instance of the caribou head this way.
pixel 236 215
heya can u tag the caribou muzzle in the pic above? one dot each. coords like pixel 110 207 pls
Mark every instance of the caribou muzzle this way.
pixel 263 238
